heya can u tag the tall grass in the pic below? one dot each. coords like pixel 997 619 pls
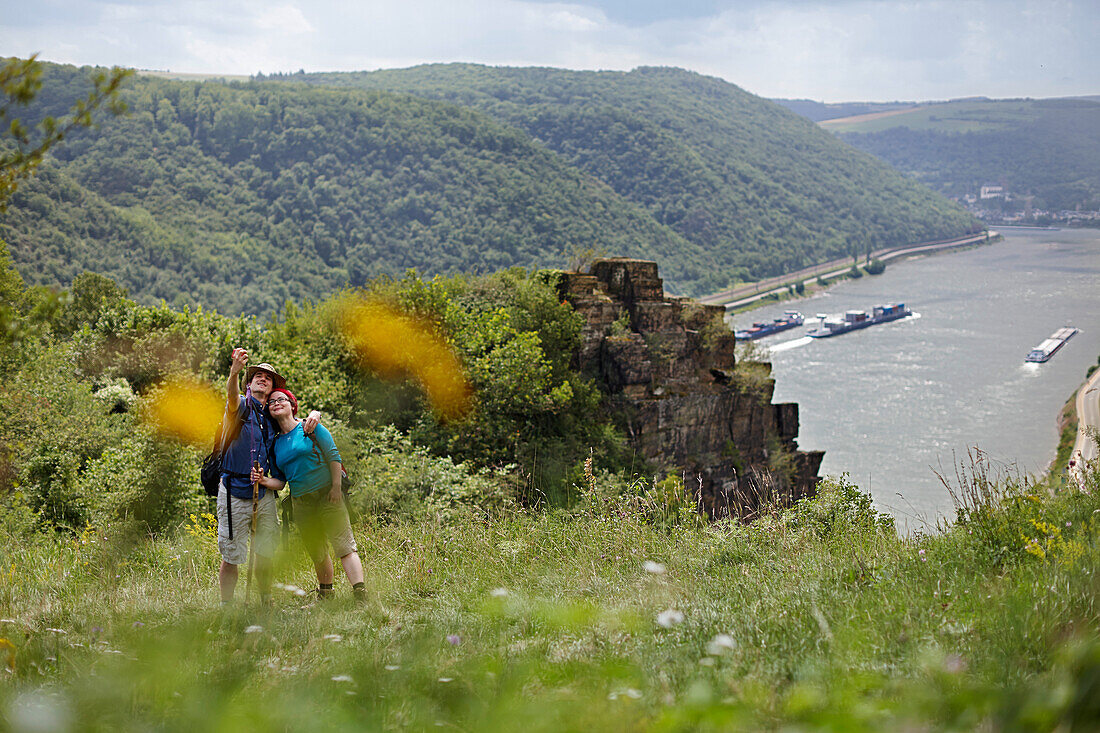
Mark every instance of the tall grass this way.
pixel 619 614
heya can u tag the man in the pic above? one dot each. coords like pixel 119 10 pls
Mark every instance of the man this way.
pixel 250 446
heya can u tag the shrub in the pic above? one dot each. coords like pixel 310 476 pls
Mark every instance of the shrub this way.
pixel 839 508
pixel 54 427
pixel 116 396
pixel 397 479
pixel 1010 517
pixel 49 484
pixel 142 480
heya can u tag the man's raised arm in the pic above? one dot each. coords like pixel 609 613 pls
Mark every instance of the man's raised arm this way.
pixel 232 386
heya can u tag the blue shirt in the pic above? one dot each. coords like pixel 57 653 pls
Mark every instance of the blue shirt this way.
pixel 302 463
pixel 252 444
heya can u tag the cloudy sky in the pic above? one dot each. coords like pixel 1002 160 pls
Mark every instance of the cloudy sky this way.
pixel 828 50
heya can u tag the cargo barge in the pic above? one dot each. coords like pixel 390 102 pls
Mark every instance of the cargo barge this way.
pixel 1050 347
pixel 790 319
pixel 854 320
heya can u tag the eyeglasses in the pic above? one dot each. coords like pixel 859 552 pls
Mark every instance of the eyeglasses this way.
pixel 277 400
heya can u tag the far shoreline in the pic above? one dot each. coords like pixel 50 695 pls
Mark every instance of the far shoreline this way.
pixel 781 287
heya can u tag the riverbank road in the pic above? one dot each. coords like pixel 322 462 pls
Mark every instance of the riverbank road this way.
pixel 745 294
pixel 1088 420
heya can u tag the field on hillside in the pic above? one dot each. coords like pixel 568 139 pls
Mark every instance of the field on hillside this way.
pixel 606 616
pixel 956 116
pixel 1043 152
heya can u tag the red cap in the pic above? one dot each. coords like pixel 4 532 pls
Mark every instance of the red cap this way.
pixel 289 395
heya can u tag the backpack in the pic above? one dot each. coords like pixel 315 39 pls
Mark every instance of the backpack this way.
pixel 211 472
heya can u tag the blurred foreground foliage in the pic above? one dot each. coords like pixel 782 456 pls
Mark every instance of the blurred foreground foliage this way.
pixel 816 617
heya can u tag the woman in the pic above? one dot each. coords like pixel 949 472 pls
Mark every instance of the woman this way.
pixel 311 466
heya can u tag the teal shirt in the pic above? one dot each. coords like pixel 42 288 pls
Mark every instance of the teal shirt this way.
pixel 303 464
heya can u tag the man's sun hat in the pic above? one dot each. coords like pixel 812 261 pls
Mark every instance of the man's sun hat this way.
pixel 276 381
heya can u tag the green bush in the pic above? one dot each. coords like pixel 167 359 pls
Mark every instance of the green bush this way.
pixel 141 480
pixel 396 479
pixel 48 481
pixel 875 267
pixel 55 425
pixel 838 508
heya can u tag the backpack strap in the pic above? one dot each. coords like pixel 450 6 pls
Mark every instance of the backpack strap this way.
pixel 271 462
pixel 231 427
pixel 317 448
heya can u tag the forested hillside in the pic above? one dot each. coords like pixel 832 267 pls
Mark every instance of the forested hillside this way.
pixel 242 195
pixel 762 189
pixel 1046 148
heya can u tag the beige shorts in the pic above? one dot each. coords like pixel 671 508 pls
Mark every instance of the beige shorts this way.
pixel 318 520
pixel 235 551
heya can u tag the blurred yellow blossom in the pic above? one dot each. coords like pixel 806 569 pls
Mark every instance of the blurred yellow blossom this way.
pixel 186 410
pixel 393 345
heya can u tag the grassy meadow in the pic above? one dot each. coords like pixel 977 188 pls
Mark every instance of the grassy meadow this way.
pixel 620 613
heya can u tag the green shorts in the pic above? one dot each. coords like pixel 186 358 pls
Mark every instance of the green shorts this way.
pixel 320 520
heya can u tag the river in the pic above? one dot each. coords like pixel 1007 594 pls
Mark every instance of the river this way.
pixel 892 404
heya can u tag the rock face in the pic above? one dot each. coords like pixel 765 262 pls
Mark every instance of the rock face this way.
pixel 669 369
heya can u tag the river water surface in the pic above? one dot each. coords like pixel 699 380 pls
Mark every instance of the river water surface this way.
pixel 892 404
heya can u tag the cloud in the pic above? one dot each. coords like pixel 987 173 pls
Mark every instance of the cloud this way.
pixel 822 49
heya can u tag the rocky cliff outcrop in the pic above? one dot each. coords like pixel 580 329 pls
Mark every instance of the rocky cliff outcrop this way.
pixel 669 369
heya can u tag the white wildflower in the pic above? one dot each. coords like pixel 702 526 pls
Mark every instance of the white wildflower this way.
pixel 254 629
pixel 668 618
pixel 498 592
pixel 342 678
pixel 720 644
pixel 654 568
pixel 333 637
pixel 291 589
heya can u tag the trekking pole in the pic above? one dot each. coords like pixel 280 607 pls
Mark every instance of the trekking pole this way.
pixel 255 504
pixel 252 535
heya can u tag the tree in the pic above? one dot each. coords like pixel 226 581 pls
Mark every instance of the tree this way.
pixel 20 82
